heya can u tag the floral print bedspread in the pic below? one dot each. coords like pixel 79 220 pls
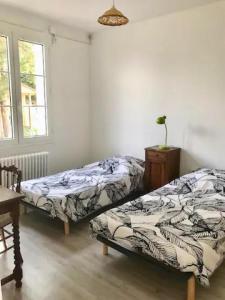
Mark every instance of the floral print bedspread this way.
pixel 74 194
pixel 181 224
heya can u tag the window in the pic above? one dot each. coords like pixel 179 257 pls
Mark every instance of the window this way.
pixel 6 108
pixel 32 79
pixel 23 96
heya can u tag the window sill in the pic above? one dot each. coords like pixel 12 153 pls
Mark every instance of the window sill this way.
pixel 7 145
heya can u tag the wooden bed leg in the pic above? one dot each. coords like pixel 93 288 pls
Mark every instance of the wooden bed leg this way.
pixel 191 288
pixel 66 228
pixel 105 249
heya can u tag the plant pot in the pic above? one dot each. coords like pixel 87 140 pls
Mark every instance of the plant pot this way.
pixel 163 147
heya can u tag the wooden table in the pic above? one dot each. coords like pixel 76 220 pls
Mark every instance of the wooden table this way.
pixel 10 203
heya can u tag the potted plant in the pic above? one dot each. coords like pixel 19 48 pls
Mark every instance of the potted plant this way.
pixel 162 121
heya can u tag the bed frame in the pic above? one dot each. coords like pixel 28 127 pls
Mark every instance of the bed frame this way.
pixel 132 196
pixel 191 282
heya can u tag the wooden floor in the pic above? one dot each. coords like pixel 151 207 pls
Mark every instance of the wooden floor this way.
pixel 69 268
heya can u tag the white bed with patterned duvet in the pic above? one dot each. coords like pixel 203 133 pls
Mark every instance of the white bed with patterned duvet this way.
pixel 181 225
pixel 76 194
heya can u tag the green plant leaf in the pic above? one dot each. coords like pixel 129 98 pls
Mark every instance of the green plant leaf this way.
pixel 161 120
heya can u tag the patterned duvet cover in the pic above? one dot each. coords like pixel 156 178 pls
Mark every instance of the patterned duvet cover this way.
pixel 181 224
pixel 77 193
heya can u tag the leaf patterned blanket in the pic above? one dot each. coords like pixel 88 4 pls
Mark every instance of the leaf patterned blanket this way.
pixel 77 193
pixel 181 224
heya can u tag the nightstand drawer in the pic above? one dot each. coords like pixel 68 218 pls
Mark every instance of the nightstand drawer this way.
pixel 156 156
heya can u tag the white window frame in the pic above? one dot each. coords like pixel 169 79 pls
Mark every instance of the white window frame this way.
pixel 14 36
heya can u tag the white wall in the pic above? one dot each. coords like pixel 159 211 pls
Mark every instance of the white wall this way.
pixel 69 96
pixel 173 65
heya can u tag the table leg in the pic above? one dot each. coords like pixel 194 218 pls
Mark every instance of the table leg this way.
pixel 17 272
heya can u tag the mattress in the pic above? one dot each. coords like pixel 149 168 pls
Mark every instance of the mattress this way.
pixel 75 194
pixel 181 225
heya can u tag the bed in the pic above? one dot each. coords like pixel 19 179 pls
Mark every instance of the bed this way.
pixel 180 226
pixel 83 193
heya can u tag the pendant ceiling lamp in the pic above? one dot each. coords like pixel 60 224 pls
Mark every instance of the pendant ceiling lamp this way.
pixel 113 17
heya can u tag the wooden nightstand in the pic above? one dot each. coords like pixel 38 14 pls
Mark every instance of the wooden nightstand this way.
pixel 161 167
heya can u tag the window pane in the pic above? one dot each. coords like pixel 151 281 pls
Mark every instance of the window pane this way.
pixel 4 89
pixel 5 123
pixel 31 58
pixel 32 88
pixel 34 121
pixel 3 54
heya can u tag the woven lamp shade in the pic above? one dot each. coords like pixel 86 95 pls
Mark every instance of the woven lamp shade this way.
pixel 113 17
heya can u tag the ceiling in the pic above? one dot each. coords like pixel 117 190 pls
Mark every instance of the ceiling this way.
pixel 84 13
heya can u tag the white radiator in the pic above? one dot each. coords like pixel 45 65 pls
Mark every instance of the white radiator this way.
pixel 33 165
